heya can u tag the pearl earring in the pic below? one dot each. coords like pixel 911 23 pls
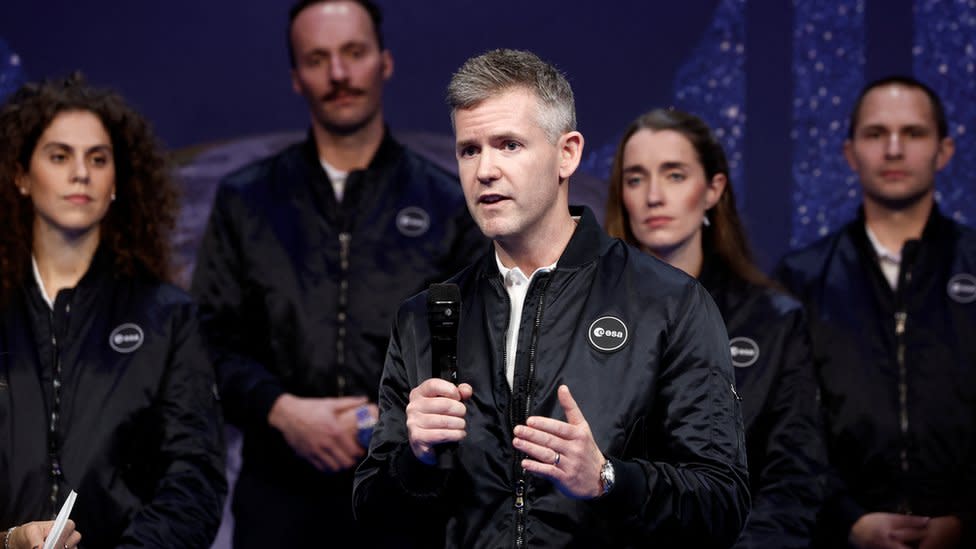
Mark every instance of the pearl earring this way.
pixel 113 197
pixel 23 191
pixel 705 221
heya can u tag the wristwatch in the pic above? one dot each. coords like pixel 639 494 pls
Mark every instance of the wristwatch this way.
pixel 607 477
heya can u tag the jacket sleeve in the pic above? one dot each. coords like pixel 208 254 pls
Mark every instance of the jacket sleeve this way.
pixel 247 388
pixel 186 508
pixel 691 487
pixel 789 491
pixel 391 477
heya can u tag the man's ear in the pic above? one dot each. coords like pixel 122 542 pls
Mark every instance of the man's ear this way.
pixel 947 147
pixel 714 190
pixel 570 153
pixel 295 86
pixel 386 57
pixel 849 155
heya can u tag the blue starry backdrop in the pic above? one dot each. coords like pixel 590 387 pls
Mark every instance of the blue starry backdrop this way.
pixel 11 74
pixel 944 56
pixel 783 124
pixel 829 38
pixel 828 71
pixel 712 85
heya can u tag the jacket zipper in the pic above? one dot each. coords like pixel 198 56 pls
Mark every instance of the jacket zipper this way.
pixel 901 319
pixel 344 239
pixel 56 472
pixel 519 492
pixel 522 414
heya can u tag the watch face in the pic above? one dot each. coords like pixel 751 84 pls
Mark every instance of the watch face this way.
pixel 607 476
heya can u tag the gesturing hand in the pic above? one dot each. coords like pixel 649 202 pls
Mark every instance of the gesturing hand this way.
pixel 888 531
pixel 319 430
pixel 435 415
pixel 564 452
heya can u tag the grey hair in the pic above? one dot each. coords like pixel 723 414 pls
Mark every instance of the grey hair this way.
pixel 497 71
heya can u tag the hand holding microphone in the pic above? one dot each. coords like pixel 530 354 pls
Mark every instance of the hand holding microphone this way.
pixel 435 414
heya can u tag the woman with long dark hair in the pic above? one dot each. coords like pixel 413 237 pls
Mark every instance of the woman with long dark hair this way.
pixel 105 386
pixel 670 196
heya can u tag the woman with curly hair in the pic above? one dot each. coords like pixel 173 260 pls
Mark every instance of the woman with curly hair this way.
pixel 105 385
pixel 671 197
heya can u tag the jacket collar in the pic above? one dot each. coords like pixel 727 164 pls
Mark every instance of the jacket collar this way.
pixel 586 245
pixel 938 228
pixel 101 269
pixel 390 149
pixel 362 186
pixel 723 284
pixel 714 275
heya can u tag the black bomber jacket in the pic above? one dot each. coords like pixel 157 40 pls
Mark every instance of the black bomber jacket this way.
pixel 773 363
pixel 897 371
pixel 644 352
pixel 298 290
pixel 138 434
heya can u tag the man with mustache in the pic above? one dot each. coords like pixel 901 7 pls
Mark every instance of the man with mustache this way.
pixel 892 303
pixel 305 259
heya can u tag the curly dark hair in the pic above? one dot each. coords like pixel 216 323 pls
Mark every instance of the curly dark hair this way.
pixel 139 222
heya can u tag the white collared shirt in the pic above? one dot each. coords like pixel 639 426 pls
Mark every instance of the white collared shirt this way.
pixel 517 286
pixel 889 261
pixel 40 283
pixel 337 177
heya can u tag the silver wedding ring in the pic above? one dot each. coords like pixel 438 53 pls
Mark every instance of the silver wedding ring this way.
pixel 556 461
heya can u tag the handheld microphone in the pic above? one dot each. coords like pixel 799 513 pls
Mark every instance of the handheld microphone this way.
pixel 443 315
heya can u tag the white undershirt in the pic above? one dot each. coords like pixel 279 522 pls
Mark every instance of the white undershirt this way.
pixel 40 283
pixel 517 285
pixel 889 261
pixel 337 177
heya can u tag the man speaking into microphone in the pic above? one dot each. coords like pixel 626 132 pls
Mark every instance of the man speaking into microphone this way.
pixel 594 404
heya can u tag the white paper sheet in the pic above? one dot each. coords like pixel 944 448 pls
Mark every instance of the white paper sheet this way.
pixel 60 522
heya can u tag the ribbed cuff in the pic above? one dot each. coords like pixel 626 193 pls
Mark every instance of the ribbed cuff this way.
pixel 416 477
pixel 264 396
pixel 846 512
pixel 629 489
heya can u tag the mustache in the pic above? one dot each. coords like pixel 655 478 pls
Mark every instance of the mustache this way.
pixel 342 89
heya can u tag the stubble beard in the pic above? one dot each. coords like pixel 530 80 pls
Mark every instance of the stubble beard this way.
pixel 900 203
pixel 346 128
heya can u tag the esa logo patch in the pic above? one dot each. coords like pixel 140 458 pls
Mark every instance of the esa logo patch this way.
pixel 607 334
pixel 962 288
pixel 412 221
pixel 126 338
pixel 745 351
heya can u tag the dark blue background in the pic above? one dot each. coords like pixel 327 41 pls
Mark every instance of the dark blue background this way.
pixel 210 71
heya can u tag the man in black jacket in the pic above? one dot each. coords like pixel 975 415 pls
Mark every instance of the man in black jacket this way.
pixel 305 258
pixel 596 406
pixel 892 301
